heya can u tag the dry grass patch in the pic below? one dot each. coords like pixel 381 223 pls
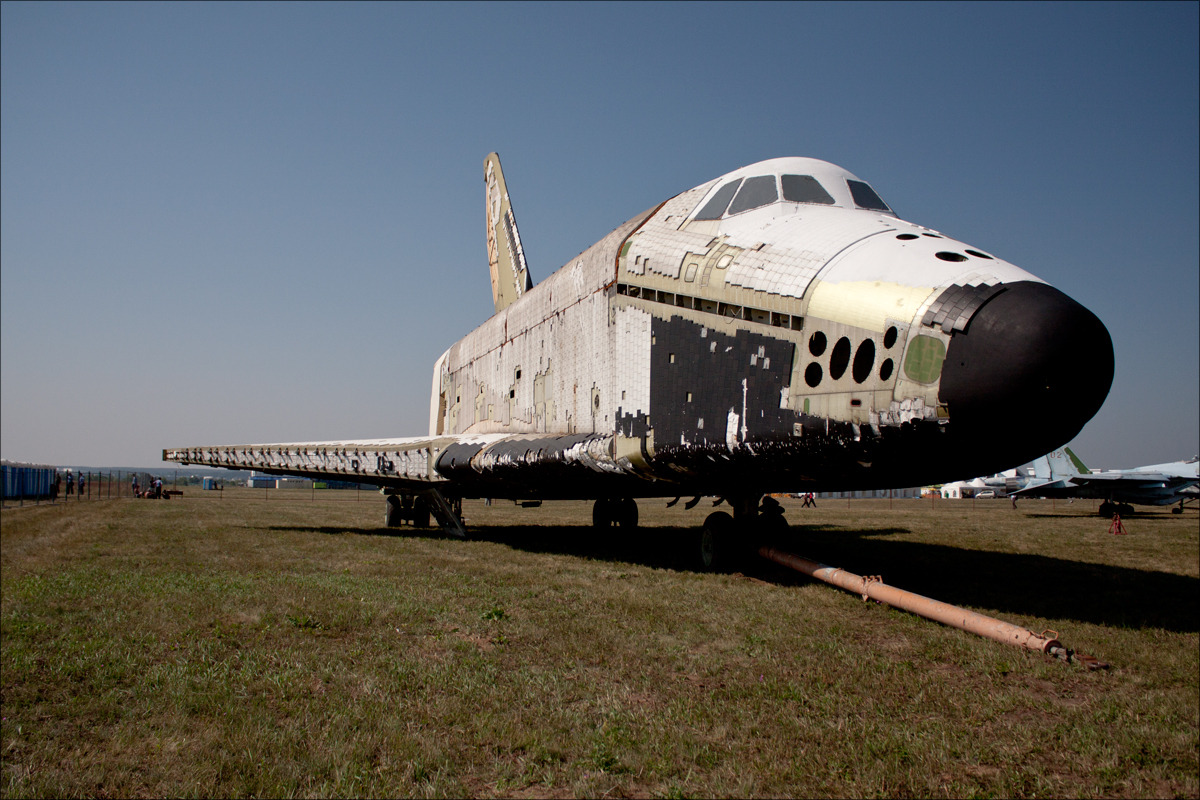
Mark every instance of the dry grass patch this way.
pixel 247 647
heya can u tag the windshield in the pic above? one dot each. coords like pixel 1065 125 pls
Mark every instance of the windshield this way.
pixel 865 197
pixel 756 192
pixel 715 207
pixel 746 194
pixel 805 189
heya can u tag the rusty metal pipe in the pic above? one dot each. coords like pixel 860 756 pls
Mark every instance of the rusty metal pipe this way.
pixel 872 587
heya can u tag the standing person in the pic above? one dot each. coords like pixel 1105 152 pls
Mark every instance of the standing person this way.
pixel 82 483
pixel 135 485
pixel 70 483
pixel 158 488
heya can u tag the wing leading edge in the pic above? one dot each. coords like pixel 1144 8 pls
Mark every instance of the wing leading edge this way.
pixel 488 465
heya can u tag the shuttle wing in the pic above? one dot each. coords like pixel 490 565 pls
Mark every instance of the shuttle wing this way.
pixel 407 461
pixel 485 465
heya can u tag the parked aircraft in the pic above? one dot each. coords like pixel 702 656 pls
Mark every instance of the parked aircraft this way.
pixel 776 329
pixel 998 485
pixel 1062 474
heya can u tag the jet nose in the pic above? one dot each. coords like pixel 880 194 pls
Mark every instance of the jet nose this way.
pixel 1030 369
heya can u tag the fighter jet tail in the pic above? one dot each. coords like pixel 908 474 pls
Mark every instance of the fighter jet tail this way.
pixel 1080 467
pixel 506 258
pixel 1058 465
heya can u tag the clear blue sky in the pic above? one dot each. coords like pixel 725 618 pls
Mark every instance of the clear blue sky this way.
pixel 229 223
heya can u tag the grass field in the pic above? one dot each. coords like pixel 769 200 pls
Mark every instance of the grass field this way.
pixel 242 646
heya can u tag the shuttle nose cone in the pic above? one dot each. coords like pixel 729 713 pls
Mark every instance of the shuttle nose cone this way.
pixel 1030 369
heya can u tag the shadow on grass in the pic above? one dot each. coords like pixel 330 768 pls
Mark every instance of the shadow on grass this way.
pixel 1016 583
pixel 331 530
pixel 1009 583
pixel 1151 516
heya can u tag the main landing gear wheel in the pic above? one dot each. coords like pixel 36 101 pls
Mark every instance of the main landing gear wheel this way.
pixel 609 512
pixel 420 514
pixel 629 514
pixel 401 508
pixel 1107 509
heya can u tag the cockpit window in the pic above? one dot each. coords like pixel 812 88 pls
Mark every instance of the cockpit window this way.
pixel 715 207
pixel 865 197
pixel 755 193
pixel 804 189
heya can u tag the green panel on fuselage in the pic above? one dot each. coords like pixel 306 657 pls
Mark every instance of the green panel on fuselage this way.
pixel 923 363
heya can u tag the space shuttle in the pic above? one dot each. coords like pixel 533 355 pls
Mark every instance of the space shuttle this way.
pixel 776 329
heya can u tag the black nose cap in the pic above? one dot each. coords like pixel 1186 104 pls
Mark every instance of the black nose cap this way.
pixel 1030 369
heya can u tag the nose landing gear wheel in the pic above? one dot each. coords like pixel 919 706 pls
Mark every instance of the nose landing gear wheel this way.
pixel 715 550
pixel 770 524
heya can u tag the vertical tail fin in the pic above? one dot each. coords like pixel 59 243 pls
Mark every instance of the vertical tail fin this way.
pixel 1064 464
pixel 506 258
pixel 1079 465
pixel 1057 465
pixel 1041 469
